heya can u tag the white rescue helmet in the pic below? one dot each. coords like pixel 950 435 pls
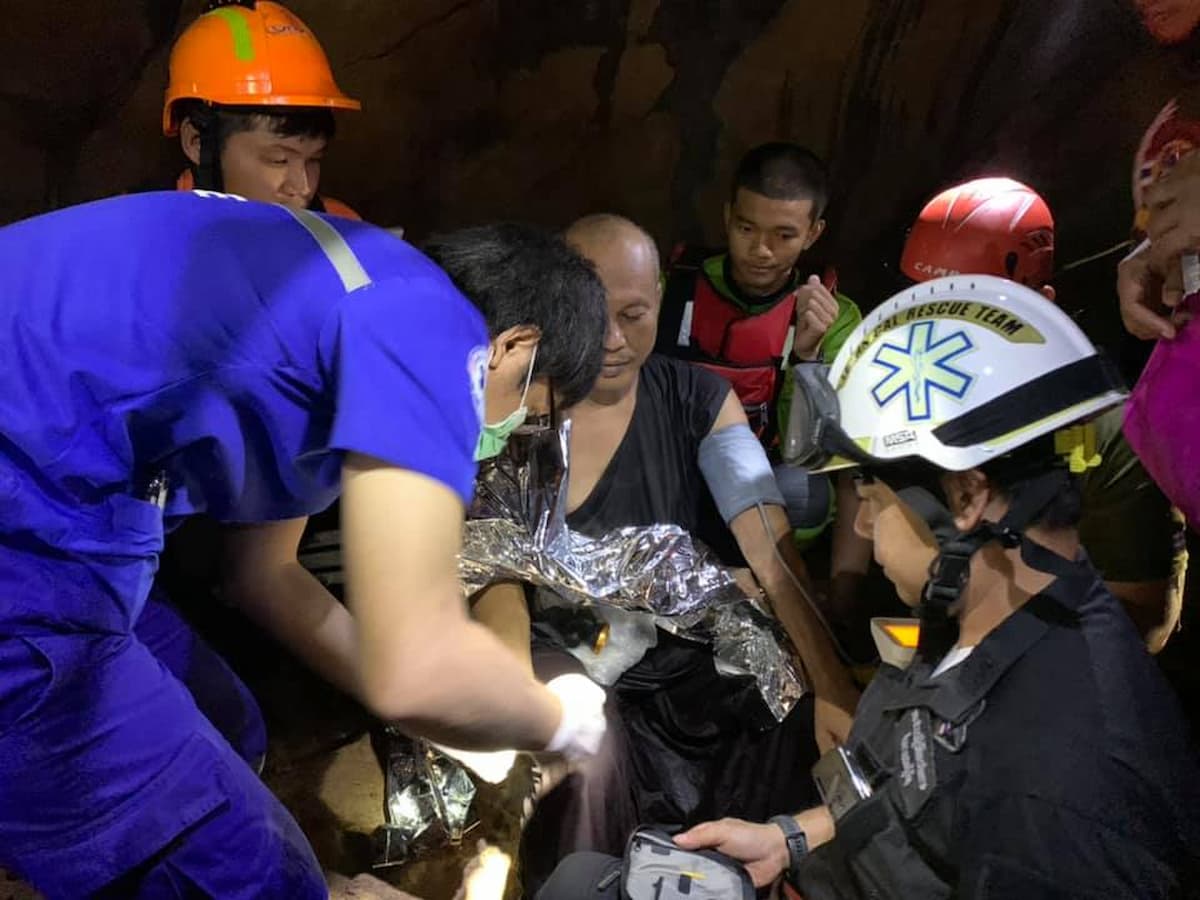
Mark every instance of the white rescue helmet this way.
pixel 956 371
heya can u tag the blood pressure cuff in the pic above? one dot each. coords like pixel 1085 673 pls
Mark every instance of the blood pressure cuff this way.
pixel 737 471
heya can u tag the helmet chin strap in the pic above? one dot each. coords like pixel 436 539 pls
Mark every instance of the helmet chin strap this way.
pixel 951 569
pixel 207 171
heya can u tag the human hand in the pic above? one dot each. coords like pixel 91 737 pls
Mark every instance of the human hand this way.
pixel 762 849
pixel 582 726
pixel 1173 208
pixel 816 311
pixel 1142 292
pixel 1149 280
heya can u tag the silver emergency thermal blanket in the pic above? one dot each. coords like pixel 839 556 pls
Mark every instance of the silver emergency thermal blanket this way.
pixel 427 800
pixel 633 578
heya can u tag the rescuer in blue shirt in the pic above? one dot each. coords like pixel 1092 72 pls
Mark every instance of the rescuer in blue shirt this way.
pixel 174 354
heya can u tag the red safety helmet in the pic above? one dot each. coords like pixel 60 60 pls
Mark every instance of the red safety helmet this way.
pixel 989 226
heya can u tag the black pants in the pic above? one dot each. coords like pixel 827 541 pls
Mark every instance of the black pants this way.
pixel 595 876
pixel 684 745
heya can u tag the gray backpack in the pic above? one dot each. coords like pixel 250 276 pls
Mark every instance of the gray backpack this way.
pixel 654 868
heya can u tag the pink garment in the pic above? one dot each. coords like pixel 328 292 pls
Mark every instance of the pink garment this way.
pixel 1162 418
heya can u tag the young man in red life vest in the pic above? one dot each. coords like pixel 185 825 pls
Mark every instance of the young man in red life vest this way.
pixel 998 226
pixel 754 311
pixel 251 96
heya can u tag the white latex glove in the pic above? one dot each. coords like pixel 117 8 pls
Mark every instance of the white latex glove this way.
pixel 493 767
pixel 582 726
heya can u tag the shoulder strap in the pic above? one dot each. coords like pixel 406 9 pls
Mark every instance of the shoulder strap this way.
pixel 678 293
pixel 960 689
pixel 684 270
pixel 952 695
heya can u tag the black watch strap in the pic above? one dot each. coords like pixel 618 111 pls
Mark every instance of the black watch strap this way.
pixel 797 842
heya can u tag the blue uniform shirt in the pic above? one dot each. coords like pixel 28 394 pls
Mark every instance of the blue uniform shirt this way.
pixel 237 346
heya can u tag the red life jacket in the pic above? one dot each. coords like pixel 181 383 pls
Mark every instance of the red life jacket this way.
pixel 746 349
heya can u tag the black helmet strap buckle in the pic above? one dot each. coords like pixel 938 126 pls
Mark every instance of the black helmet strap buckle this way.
pixel 950 570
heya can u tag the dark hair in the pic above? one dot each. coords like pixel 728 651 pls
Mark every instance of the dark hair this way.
pixel 524 275
pixel 1011 473
pixel 1008 475
pixel 784 171
pixel 1064 511
pixel 221 121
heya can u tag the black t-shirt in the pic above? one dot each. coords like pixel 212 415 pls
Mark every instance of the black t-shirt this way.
pixel 685 743
pixel 654 477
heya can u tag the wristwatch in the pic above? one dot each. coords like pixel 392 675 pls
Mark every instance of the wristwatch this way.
pixel 797 842
pixel 796 360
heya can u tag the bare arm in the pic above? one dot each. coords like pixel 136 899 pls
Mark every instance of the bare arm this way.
pixel 422 661
pixel 266 581
pixel 1154 607
pixel 502 609
pixel 851 558
pixel 771 554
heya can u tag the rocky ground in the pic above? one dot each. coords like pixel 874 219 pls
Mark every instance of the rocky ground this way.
pixel 323 767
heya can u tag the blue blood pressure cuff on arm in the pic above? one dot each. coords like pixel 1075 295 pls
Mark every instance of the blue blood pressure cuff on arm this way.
pixel 737 471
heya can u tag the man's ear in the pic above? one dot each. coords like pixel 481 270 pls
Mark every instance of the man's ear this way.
pixel 728 214
pixel 968 494
pixel 1049 293
pixel 512 339
pixel 814 233
pixel 189 141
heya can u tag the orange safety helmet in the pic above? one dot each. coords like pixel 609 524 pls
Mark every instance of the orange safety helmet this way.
pixel 989 226
pixel 250 54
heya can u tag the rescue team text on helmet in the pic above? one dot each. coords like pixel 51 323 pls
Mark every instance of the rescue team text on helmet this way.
pixel 986 225
pixel 960 373
pixel 957 372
